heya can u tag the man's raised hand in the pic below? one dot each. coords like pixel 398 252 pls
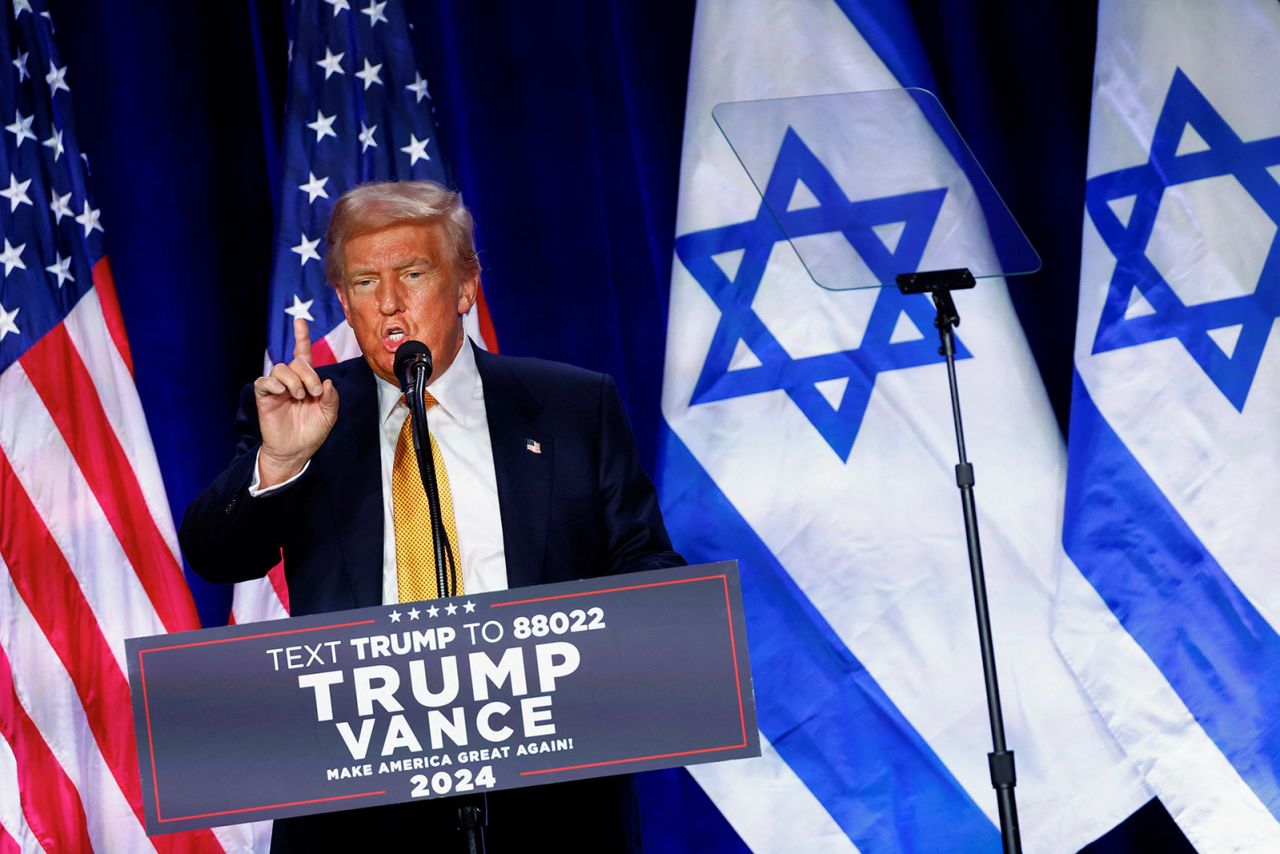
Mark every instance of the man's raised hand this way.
pixel 296 411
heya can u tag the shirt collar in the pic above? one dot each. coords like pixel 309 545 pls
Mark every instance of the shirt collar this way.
pixel 457 391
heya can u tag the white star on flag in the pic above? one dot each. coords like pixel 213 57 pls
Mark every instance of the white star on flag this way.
pixel 323 125
pixel 89 219
pixel 414 613
pixel 57 79
pixel 12 257
pixel 416 150
pixel 314 187
pixel 469 607
pixel 395 616
pixel 332 63
pixel 369 74
pixel 307 249
pixel 366 137
pixel 418 87
pixel 433 611
pixel 6 322
pixel 338 6
pixel 59 205
pixel 21 128
pixel 374 11
pixel 55 142
pixel 17 193
pixel 451 609
pixel 300 308
pixel 21 64
pixel 62 269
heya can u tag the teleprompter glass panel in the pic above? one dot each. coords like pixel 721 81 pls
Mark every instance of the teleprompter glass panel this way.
pixel 867 185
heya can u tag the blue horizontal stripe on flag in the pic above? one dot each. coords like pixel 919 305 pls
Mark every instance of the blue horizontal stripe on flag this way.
pixel 827 718
pixel 1218 652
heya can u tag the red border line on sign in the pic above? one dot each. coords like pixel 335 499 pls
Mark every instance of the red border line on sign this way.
pixel 733 660
pixel 256 637
pixel 610 590
pixel 635 759
pixel 146 711
pixel 146 708
pixel 733 657
pixel 273 806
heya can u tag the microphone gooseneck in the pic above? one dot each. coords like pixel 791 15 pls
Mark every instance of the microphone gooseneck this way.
pixel 412 356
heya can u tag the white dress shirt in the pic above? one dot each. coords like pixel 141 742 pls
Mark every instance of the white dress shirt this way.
pixel 460 426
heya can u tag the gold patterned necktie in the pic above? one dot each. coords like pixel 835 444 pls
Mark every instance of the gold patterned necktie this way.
pixel 415 549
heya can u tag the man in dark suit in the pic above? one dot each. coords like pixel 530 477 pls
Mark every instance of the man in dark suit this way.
pixel 544 471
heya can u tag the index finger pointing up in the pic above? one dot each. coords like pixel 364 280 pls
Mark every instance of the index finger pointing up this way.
pixel 301 340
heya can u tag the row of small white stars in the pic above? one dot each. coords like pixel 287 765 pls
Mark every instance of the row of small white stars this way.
pixel 11 258
pixel 20 6
pixel 323 126
pixel 373 10
pixel 332 64
pixel 21 130
pixel 58 205
pixel 450 609
pixel 56 78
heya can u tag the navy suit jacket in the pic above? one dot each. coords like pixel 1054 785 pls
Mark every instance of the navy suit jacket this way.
pixel 582 507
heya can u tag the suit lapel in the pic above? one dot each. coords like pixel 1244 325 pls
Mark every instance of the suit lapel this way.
pixel 354 482
pixel 524 476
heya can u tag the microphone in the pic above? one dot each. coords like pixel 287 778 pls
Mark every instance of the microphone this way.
pixel 410 357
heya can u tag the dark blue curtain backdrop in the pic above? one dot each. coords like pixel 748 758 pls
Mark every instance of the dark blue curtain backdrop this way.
pixel 562 123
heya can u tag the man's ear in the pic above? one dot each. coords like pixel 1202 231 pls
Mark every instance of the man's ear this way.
pixel 342 298
pixel 468 292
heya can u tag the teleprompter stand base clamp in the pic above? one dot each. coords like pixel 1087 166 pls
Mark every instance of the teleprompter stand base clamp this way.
pixel 939 284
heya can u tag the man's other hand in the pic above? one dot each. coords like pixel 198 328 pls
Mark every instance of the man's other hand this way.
pixel 296 411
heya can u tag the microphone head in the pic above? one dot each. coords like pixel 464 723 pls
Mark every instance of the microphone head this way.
pixel 409 355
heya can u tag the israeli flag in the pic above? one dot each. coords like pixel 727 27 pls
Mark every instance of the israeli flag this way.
pixel 1174 466
pixel 810 436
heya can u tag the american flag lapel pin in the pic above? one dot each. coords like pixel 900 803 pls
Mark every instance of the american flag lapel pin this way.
pixel 533 446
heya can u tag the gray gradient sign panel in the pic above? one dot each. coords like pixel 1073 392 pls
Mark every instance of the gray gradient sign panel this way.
pixel 432 699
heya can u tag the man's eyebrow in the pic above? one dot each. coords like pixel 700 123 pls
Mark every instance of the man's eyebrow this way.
pixel 415 261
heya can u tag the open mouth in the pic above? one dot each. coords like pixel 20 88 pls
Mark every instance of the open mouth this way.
pixel 393 338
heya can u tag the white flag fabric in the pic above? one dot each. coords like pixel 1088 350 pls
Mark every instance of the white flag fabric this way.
pixel 810 436
pixel 1174 465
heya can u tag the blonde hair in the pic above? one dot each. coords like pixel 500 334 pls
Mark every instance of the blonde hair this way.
pixel 370 207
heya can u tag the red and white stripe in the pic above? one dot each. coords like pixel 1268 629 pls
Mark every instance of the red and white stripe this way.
pixel 268 598
pixel 88 557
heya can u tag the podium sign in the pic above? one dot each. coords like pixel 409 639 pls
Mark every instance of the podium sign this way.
pixel 431 699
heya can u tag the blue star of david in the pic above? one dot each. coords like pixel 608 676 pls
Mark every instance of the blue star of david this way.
pixel 799 377
pixel 1172 318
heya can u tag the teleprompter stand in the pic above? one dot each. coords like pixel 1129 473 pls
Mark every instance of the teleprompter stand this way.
pixel 938 285
pixel 889 186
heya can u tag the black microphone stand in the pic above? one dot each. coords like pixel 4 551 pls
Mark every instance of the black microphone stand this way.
pixel 472 812
pixel 444 558
pixel 939 284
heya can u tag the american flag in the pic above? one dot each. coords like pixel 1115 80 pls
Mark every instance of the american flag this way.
pixel 358 110
pixel 88 553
